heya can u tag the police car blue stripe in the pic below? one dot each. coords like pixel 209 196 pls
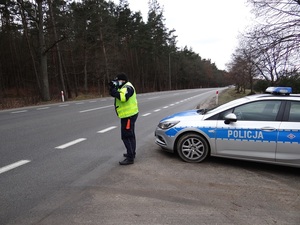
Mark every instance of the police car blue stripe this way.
pixel 236 134
pixel 289 136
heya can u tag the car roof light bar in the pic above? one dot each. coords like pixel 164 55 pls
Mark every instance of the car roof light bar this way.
pixel 279 90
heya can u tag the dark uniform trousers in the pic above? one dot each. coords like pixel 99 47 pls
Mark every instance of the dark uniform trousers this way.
pixel 128 135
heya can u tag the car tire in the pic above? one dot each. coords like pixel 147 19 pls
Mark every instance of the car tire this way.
pixel 192 147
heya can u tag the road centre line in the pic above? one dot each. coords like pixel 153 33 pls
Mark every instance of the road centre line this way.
pixel 153 98
pixel 165 107
pixel 13 166
pixel 43 108
pixel 70 143
pixel 107 129
pixel 89 110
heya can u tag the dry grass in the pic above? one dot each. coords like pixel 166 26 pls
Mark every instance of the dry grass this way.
pixel 230 94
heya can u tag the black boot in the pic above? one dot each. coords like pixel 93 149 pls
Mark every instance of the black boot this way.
pixel 126 161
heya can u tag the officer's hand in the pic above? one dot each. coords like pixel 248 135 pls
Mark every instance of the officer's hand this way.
pixel 113 91
pixel 111 84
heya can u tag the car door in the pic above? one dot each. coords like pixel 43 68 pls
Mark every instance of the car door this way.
pixel 288 146
pixel 253 135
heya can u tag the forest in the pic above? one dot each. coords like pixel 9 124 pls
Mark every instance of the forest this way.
pixel 50 46
pixel 77 46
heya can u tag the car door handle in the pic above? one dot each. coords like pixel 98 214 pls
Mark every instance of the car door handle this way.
pixel 268 129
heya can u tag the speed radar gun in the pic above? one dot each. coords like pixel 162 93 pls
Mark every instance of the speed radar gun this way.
pixel 115 84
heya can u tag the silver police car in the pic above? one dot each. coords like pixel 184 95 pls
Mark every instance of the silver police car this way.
pixel 261 128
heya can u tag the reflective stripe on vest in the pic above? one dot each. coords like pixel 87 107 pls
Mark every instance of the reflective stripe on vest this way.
pixel 127 108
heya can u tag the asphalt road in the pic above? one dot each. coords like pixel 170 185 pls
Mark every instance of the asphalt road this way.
pixel 59 165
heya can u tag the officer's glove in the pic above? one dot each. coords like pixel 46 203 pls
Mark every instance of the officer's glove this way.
pixel 111 84
pixel 113 91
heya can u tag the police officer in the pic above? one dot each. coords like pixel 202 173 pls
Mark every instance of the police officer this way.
pixel 126 107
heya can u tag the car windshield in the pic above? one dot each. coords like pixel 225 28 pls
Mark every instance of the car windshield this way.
pixel 225 106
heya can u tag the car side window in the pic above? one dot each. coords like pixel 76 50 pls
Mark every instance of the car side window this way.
pixel 258 111
pixel 221 115
pixel 294 112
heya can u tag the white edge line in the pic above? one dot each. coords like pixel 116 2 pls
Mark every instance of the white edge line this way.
pixel 13 166
pixel 152 98
pixel 107 129
pixel 22 111
pixel 70 143
pixel 88 110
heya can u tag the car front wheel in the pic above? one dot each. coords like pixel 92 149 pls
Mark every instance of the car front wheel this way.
pixel 192 148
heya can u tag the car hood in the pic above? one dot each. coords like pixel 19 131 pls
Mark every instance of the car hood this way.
pixel 189 113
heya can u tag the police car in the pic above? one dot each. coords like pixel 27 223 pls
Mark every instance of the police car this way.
pixel 261 128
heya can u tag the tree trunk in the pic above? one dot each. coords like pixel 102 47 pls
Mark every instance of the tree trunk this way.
pixel 85 71
pixel 24 22
pixel 60 66
pixel 106 77
pixel 43 71
pixel 74 73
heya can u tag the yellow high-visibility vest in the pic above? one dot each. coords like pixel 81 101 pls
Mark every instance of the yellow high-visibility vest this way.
pixel 127 108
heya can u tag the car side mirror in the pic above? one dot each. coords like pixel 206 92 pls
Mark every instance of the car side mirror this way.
pixel 231 117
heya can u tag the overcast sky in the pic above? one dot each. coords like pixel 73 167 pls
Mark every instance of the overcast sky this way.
pixel 209 27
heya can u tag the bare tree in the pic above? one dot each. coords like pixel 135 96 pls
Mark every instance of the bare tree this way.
pixel 270 62
pixel 243 66
pixel 276 38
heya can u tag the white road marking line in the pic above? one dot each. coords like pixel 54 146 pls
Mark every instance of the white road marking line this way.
pixel 64 105
pixel 43 108
pixel 13 166
pixel 165 107
pixel 88 110
pixel 147 114
pixel 152 98
pixel 21 111
pixel 157 110
pixel 79 103
pixel 107 129
pixel 70 143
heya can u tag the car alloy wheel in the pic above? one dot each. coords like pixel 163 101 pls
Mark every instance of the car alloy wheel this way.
pixel 192 147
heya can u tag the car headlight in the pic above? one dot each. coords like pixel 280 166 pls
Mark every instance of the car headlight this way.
pixel 167 124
